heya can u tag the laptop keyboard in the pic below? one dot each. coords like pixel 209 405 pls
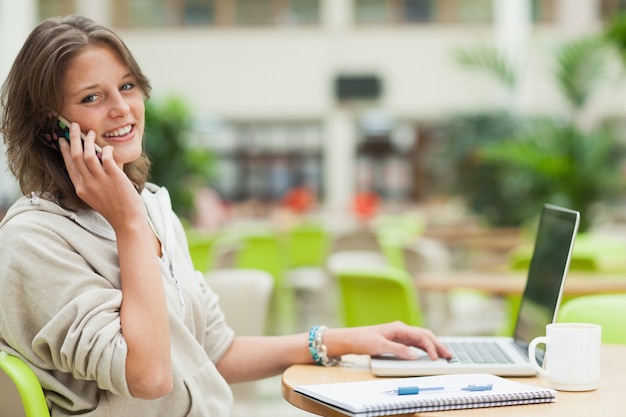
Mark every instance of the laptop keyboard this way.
pixel 477 352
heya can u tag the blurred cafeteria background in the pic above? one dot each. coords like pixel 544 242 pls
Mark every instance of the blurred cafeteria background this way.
pixel 309 143
pixel 421 134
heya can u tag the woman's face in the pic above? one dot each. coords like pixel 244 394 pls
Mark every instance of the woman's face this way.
pixel 100 94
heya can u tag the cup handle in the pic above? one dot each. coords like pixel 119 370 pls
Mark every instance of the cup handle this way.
pixel 531 353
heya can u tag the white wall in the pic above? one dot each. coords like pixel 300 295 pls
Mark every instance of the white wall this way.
pixel 256 73
pixel 288 73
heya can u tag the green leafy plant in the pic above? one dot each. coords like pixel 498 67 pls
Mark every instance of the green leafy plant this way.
pixel 582 65
pixel 176 165
pixel 615 33
pixel 472 176
pixel 550 159
pixel 486 58
pixel 559 163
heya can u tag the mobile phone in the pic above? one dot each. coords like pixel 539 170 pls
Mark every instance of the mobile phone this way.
pixel 61 129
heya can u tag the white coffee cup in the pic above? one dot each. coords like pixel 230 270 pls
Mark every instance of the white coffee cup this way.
pixel 572 360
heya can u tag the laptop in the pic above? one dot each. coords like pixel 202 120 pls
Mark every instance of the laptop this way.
pixel 508 356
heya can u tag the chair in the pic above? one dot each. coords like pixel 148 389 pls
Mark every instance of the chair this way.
pixel 265 250
pixel 27 384
pixel 244 298
pixel 262 250
pixel 377 294
pixel 201 250
pixel 307 246
pixel 607 310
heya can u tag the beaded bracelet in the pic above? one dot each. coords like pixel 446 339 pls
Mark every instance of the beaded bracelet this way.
pixel 318 348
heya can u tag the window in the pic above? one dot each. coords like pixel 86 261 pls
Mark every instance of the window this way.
pixel 215 12
pixel 143 13
pixel 419 10
pixel 474 11
pixel 199 12
pixel 50 8
pixel 422 11
pixel 305 11
pixel 263 159
pixel 371 11
pixel 543 11
pixel 611 8
pixel 254 12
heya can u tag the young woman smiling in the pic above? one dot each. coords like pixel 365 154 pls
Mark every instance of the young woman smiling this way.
pixel 97 289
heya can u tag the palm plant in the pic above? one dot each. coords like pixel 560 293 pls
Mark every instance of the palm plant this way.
pixel 555 160
pixel 486 58
pixel 558 163
pixel 582 65
pixel 615 33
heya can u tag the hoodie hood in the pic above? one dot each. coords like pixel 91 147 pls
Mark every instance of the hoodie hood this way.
pixel 156 200
pixel 89 220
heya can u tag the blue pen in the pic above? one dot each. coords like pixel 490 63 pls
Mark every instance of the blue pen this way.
pixel 475 387
pixel 415 390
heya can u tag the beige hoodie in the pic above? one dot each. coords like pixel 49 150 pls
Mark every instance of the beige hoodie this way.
pixel 59 310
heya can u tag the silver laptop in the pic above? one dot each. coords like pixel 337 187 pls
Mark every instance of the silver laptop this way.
pixel 508 356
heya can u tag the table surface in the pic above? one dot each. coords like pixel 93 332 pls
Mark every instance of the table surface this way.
pixel 608 400
pixel 506 283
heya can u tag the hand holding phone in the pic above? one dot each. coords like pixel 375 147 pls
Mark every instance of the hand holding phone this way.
pixel 61 129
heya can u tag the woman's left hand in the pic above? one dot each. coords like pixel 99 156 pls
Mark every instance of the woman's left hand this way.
pixel 395 338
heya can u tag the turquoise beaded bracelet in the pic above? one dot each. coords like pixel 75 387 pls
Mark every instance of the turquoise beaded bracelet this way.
pixel 318 348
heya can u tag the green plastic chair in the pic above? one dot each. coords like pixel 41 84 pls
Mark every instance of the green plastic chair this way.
pixel 265 250
pixel 262 250
pixel 607 310
pixel 27 384
pixel 307 245
pixel 377 294
pixel 201 251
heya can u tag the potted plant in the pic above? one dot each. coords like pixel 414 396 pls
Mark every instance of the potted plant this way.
pixel 554 159
pixel 176 165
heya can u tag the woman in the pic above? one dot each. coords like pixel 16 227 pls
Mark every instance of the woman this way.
pixel 97 289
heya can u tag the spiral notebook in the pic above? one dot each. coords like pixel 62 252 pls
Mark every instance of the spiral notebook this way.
pixel 381 397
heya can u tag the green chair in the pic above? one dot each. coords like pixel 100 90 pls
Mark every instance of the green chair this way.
pixel 607 310
pixel 307 245
pixel 201 250
pixel 262 250
pixel 377 294
pixel 27 384
pixel 265 250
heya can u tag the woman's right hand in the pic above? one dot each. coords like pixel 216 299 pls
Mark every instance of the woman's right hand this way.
pixel 103 185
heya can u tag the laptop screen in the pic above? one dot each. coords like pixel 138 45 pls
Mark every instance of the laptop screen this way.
pixel 546 275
